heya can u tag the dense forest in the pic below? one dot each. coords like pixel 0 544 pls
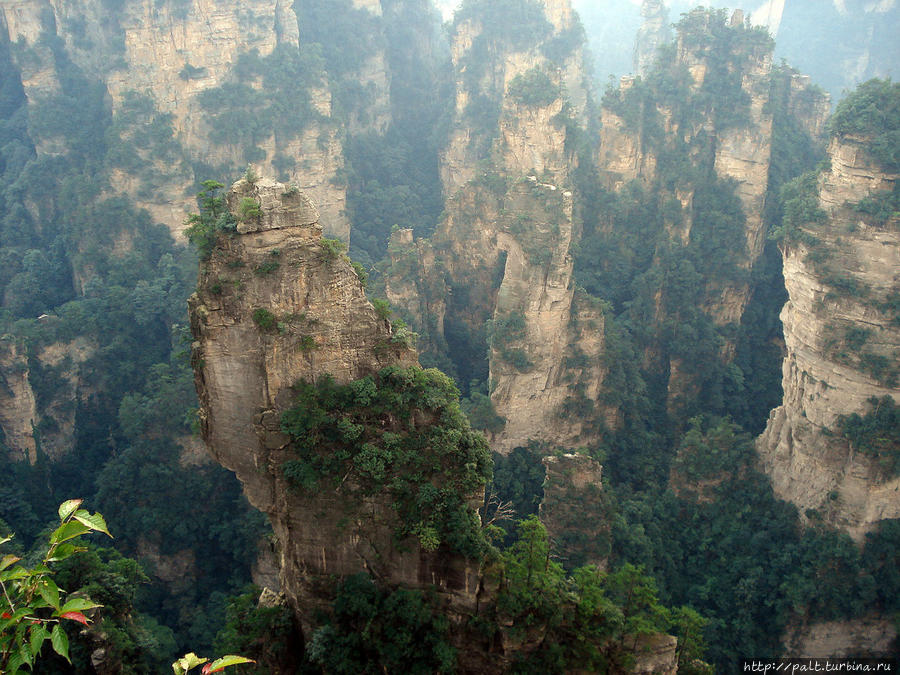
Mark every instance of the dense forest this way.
pixel 695 542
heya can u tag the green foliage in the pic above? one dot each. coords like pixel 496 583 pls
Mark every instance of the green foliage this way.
pixel 399 432
pixel 191 661
pixel 214 217
pixel 872 111
pixel 877 433
pixel 800 200
pixel 361 273
pixel 514 24
pixel 190 72
pixel 266 321
pixel 519 479
pixel 710 453
pixel 703 545
pixel 131 641
pixel 307 343
pixel 588 620
pixel 248 209
pixel 533 88
pixel 481 413
pixel 505 330
pixel 881 207
pixel 267 268
pixel 402 334
pixel 265 95
pixel 266 634
pixel 374 630
pixel 32 605
pixel 382 308
pixel 332 249
pixel 392 180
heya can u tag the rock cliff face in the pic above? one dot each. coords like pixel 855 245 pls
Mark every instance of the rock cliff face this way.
pixel 18 408
pixel 574 510
pixel 29 423
pixel 871 635
pixel 842 348
pixel 643 128
pixel 173 52
pixel 245 368
pixel 653 33
pixel 486 62
pixel 511 222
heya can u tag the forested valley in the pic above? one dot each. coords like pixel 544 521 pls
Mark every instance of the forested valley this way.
pixel 621 363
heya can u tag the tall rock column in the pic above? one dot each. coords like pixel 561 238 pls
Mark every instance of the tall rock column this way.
pixel 843 348
pixel 277 305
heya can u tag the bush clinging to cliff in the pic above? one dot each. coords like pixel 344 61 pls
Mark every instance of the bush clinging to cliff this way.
pixel 399 432
pixel 872 111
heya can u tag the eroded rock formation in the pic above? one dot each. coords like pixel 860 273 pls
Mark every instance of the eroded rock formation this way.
pixel 48 424
pixel 574 510
pixel 276 306
pixel 838 330
pixel 653 33
pixel 510 227
pixel 171 54
pixel 872 635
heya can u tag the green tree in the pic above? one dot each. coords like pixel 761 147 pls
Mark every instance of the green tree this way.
pixel 203 228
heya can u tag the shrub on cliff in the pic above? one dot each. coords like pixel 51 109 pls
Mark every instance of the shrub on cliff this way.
pixel 399 432
pixel 872 111
pixel 203 228
pixel 533 88
pixel 877 433
pixel 373 629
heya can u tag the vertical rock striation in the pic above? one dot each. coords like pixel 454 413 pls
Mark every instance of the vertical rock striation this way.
pixel 276 306
pixel 173 53
pixel 653 33
pixel 838 329
pixel 510 227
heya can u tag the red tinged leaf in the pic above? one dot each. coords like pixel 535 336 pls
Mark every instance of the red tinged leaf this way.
pixel 5 615
pixel 75 616
pixel 205 670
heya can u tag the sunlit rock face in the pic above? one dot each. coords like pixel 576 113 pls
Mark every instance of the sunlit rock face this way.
pixel 824 376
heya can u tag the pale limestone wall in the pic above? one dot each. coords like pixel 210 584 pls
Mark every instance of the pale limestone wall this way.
pixel 20 418
pixel 18 408
pixel 807 464
pixel 244 377
pixel 534 224
pixel 144 48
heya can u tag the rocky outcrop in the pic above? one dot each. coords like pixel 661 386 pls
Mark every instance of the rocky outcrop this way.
pixel 510 226
pixel 655 654
pixel 538 327
pixel 277 267
pixel 486 62
pixel 18 408
pixel 653 33
pixel 574 511
pixel 48 425
pixel 173 52
pixel 871 635
pixel 842 347
pixel 651 136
